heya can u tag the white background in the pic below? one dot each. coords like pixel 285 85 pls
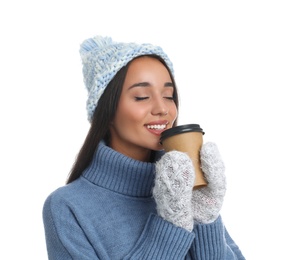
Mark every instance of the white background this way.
pixel 235 63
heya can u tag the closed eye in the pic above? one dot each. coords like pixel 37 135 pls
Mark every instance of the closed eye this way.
pixel 140 98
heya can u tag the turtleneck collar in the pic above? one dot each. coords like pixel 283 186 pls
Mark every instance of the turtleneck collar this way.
pixel 117 172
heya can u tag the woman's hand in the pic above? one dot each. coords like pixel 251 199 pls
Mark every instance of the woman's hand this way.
pixel 173 189
pixel 176 200
pixel 207 201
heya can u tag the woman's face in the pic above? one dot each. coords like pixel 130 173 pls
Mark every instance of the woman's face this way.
pixel 146 108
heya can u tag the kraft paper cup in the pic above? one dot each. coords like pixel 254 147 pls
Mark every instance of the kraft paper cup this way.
pixel 188 139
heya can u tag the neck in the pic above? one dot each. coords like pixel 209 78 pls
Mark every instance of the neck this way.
pixel 136 153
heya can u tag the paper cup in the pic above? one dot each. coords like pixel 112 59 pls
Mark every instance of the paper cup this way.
pixel 188 139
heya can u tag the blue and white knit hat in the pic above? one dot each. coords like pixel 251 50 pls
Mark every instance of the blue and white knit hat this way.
pixel 102 58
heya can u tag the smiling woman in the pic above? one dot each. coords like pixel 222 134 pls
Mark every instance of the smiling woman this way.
pixel 125 197
pixel 145 109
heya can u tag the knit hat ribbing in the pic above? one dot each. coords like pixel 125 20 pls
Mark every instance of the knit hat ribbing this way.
pixel 102 58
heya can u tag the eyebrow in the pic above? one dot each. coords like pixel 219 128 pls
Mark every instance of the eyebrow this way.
pixel 147 84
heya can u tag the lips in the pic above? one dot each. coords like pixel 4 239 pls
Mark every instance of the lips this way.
pixel 157 127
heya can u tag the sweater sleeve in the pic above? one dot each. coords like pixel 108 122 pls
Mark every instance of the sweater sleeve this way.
pixel 212 242
pixel 64 237
pixel 161 240
pixel 233 247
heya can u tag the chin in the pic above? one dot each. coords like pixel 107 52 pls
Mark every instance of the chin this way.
pixel 154 144
pixel 157 147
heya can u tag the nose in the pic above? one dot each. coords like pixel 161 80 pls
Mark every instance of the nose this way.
pixel 159 107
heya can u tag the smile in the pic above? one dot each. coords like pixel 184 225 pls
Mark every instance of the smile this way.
pixel 156 126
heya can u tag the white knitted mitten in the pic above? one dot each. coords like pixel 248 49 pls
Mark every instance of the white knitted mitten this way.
pixel 207 201
pixel 173 189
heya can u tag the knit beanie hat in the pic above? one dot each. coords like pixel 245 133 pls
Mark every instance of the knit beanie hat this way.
pixel 102 58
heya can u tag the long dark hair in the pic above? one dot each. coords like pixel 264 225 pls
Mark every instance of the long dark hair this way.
pixel 103 115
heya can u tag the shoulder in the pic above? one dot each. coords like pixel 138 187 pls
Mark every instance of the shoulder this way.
pixel 65 195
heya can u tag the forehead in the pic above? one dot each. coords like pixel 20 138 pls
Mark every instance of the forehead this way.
pixel 145 68
pixel 143 60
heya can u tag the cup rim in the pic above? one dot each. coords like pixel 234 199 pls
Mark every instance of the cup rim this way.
pixel 181 129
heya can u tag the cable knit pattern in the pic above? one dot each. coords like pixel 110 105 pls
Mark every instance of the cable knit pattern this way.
pixel 173 188
pixel 207 201
pixel 102 58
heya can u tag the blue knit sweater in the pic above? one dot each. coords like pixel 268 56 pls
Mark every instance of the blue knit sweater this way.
pixel 109 213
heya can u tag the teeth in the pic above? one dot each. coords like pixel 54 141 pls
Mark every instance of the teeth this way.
pixel 156 126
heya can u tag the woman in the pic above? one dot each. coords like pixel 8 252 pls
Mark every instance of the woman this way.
pixel 125 198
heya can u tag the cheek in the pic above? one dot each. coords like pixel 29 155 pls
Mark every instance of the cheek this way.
pixel 127 114
pixel 173 113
